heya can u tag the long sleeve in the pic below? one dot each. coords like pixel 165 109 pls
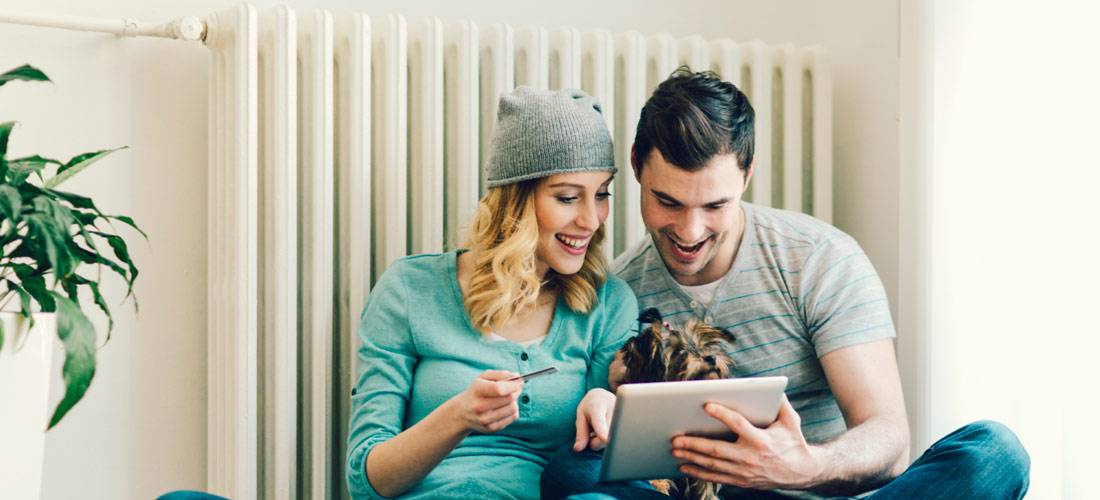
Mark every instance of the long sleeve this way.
pixel 387 358
pixel 621 315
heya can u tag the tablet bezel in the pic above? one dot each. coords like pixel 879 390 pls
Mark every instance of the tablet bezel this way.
pixel 647 416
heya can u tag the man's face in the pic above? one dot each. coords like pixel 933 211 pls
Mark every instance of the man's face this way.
pixel 694 217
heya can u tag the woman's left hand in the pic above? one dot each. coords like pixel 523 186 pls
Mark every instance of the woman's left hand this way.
pixel 594 420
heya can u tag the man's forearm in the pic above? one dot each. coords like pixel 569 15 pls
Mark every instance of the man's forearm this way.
pixel 863 458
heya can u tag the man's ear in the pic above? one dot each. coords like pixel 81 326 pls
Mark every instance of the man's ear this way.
pixel 748 174
pixel 634 164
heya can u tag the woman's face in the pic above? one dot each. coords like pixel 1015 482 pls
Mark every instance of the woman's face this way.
pixel 569 209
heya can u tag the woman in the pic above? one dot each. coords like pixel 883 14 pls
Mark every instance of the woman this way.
pixel 435 412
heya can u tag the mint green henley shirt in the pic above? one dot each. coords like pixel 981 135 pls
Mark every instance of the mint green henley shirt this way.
pixel 419 349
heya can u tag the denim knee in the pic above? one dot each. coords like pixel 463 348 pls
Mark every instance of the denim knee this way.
pixel 568 473
pixel 1000 442
pixel 991 444
pixel 189 495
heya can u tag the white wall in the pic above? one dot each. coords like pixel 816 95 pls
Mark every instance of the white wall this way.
pixel 1000 282
pixel 141 428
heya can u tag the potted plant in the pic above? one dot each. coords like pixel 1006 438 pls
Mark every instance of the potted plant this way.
pixel 55 244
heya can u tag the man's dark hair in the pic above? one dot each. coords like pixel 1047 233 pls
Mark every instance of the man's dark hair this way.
pixel 694 116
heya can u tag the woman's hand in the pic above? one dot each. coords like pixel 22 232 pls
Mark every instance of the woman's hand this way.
pixel 489 403
pixel 594 420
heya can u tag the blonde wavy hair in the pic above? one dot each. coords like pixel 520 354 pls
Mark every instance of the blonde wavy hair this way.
pixel 504 237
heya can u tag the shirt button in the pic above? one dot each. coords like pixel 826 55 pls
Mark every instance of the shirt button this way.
pixel 525 399
pixel 523 356
pixel 709 319
pixel 694 304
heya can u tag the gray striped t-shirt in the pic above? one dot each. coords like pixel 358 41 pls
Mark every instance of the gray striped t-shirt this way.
pixel 798 289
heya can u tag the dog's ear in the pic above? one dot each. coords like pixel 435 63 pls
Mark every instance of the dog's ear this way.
pixel 727 334
pixel 651 315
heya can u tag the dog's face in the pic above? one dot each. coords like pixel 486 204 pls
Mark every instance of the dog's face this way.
pixel 698 352
pixel 659 353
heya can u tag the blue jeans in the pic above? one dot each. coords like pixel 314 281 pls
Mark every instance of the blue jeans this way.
pixel 189 495
pixel 981 460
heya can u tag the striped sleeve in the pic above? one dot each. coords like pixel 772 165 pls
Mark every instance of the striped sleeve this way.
pixel 841 297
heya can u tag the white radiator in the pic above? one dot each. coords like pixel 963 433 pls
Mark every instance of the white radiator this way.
pixel 339 144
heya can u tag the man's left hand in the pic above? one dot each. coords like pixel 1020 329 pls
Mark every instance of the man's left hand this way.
pixel 775 457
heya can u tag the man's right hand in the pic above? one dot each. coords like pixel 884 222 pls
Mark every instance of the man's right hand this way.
pixel 489 403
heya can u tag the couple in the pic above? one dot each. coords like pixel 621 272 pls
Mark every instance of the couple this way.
pixel 437 412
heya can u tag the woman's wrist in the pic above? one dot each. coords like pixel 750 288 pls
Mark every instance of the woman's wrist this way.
pixel 450 418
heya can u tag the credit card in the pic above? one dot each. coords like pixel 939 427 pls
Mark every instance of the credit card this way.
pixel 537 373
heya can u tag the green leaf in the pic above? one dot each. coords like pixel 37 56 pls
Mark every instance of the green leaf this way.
pixel 86 219
pixel 89 257
pixel 18 177
pixel 49 227
pixel 5 133
pixel 79 202
pixel 44 236
pixel 76 164
pixel 78 336
pixel 75 200
pixel 99 301
pixel 122 253
pixel 11 204
pixel 77 279
pixel 25 72
pixel 69 285
pixel 24 301
pixel 129 222
pixel 35 284
pixel 32 165
pixel 37 159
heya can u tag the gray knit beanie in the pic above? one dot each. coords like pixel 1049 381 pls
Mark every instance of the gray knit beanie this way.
pixel 540 133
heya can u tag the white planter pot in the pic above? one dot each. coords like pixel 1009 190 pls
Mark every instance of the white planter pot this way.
pixel 26 369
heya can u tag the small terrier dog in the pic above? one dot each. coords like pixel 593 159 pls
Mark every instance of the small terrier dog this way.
pixel 660 354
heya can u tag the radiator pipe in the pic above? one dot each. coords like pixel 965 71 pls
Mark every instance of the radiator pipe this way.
pixel 188 28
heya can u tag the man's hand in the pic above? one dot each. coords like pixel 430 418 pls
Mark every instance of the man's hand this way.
pixel 594 420
pixel 776 457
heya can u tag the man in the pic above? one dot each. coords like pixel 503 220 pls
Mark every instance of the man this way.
pixel 801 300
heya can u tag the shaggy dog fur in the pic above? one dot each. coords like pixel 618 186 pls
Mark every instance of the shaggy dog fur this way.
pixel 660 354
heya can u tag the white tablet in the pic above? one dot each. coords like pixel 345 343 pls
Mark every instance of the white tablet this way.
pixel 647 416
